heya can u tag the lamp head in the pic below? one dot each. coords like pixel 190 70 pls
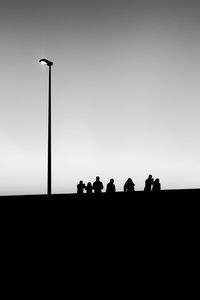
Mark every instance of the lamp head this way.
pixel 46 62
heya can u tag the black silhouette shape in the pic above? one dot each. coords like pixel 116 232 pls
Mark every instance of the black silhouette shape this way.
pixel 156 185
pixel 129 186
pixel 110 187
pixel 148 183
pixel 49 64
pixel 80 187
pixel 89 188
pixel 97 186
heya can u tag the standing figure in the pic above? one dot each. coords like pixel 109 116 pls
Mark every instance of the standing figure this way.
pixel 80 187
pixel 110 187
pixel 89 188
pixel 97 186
pixel 148 183
pixel 129 186
pixel 156 185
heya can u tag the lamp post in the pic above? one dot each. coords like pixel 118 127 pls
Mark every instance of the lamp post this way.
pixel 49 64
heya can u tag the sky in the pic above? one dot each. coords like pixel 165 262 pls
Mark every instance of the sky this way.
pixel 125 93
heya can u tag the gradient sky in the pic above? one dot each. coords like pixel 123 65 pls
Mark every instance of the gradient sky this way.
pixel 125 93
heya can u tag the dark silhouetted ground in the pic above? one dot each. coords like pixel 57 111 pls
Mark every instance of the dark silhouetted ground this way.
pixel 70 205
pixel 187 194
pixel 129 230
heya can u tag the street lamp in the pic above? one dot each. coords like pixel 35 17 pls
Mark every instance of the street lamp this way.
pixel 49 64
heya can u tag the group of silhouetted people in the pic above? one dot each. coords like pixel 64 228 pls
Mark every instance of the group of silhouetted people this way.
pixel 97 187
pixel 152 185
pixel 129 186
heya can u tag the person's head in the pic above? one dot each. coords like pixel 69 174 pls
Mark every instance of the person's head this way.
pixel 97 178
pixel 111 180
pixel 157 180
pixel 80 182
pixel 89 183
pixel 150 176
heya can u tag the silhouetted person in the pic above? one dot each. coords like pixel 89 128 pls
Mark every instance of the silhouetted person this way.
pixel 129 186
pixel 156 185
pixel 80 187
pixel 89 188
pixel 110 187
pixel 97 186
pixel 148 183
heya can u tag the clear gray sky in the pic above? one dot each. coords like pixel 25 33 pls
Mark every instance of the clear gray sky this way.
pixel 125 93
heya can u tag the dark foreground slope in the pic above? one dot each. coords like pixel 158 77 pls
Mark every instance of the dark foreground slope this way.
pixel 187 194
pixel 73 204
pixel 77 224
